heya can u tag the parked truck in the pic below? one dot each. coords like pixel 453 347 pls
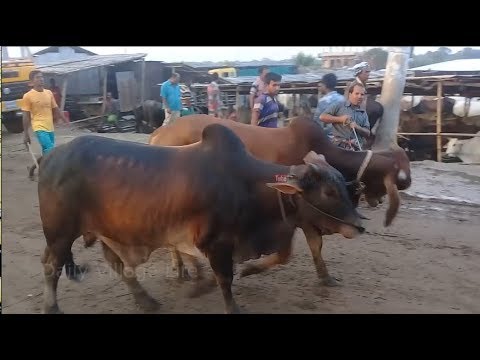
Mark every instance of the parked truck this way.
pixel 16 69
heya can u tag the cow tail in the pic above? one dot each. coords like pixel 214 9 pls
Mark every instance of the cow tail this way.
pixel 393 199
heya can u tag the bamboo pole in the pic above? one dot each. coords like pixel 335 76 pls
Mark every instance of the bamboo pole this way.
pixel 439 120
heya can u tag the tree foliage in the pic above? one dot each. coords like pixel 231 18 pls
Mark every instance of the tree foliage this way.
pixel 304 60
pixel 377 58
pixel 443 54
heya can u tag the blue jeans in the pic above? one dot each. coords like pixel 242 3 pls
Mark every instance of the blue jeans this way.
pixel 46 140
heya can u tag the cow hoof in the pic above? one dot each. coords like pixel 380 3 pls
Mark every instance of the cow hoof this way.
pixel 76 272
pixel 147 303
pixel 330 281
pixel 52 310
pixel 184 276
pixel 250 270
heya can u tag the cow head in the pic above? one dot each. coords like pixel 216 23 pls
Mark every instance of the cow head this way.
pixel 321 197
pixel 392 174
pixel 453 147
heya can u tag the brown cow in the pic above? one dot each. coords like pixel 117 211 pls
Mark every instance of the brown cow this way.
pixel 380 173
pixel 205 199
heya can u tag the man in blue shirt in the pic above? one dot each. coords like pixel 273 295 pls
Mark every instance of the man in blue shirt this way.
pixel 265 109
pixel 342 117
pixel 172 99
pixel 329 96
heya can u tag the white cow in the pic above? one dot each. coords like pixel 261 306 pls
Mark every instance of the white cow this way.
pixel 467 150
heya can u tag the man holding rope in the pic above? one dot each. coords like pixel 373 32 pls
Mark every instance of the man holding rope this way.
pixel 346 123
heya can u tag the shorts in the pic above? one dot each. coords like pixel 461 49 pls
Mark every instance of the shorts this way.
pixel 171 117
pixel 46 140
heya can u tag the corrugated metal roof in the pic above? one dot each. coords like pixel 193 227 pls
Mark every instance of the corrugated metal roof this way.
pixel 308 78
pixel 55 49
pixel 70 66
pixel 253 63
pixel 454 65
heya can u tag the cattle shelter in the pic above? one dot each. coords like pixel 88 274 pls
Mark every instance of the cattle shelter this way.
pixel 235 90
pixel 85 82
pixel 442 86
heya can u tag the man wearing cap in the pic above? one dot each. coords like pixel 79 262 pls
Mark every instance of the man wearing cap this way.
pixel 362 73
pixel 329 96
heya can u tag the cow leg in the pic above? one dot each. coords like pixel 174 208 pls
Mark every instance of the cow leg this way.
pixel 202 285
pixel 266 263
pixel 53 260
pixel 142 298
pixel 73 271
pixel 222 265
pixel 77 272
pixel 315 242
pixel 177 265
pixel 279 258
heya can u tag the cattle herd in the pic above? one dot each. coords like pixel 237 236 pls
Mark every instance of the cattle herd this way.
pixel 208 189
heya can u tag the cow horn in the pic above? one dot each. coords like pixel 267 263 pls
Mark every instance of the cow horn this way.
pixel 393 199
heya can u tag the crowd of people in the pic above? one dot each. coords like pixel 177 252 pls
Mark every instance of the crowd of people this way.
pixel 344 118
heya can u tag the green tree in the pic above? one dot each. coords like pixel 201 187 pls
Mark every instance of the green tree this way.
pixel 304 60
pixel 377 58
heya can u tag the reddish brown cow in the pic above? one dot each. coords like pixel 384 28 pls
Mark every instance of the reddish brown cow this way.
pixel 376 174
pixel 205 199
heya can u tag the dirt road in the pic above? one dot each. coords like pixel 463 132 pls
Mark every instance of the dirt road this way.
pixel 426 262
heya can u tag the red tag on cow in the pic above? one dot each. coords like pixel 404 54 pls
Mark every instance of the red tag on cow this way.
pixel 281 178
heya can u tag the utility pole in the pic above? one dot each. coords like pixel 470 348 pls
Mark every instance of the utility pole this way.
pixel 392 91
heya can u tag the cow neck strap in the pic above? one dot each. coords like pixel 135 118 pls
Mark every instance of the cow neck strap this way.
pixel 364 165
pixel 282 209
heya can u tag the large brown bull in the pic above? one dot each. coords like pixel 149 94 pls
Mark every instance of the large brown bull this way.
pixel 376 174
pixel 205 200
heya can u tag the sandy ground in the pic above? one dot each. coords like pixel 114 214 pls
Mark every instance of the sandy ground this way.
pixel 426 262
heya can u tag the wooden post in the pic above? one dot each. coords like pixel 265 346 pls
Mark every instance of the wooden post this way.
pixel 293 110
pixel 439 120
pixel 142 89
pixel 105 77
pixel 104 91
pixel 64 93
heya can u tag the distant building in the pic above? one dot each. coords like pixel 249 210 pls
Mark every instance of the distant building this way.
pixel 55 54
pixel 332 60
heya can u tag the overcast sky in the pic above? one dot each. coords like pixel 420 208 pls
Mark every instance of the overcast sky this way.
pixel 220 53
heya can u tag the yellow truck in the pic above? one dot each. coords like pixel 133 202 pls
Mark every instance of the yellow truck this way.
pixel 16 69
pixel 224 72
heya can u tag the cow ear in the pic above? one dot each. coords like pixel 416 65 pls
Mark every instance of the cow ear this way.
pixel 286 188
